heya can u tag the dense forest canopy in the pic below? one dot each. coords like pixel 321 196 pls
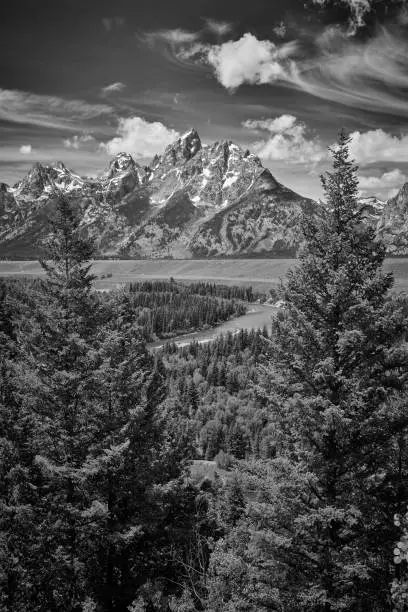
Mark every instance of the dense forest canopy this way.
pixel 265 470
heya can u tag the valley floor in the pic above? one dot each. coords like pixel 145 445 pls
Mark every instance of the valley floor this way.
pixel 259 273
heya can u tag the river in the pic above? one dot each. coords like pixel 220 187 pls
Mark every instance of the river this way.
pixel 257 316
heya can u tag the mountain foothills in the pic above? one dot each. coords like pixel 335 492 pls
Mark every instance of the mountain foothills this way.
pixel 193 201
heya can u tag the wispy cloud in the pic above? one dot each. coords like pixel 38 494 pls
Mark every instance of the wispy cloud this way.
pixel 113 88
pixel 370 75
pixel 220 28
pixel 280 30
pixel 140 138
pixel 26 149
pixel 287 140
pixel 178 46
pixel 360 10
pixel 176 36
pixel 48 111
pixel 112 23
pixel 79 141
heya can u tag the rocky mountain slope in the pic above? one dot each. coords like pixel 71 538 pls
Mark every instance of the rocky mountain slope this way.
pixel 393 224
pixel 192 201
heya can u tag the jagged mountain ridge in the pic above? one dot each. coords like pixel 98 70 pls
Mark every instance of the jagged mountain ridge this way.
pixel 194 200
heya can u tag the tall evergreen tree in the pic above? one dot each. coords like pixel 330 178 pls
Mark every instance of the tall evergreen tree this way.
pixel 339 357
pixel 16 498
pixel 132 472
pixel 55 367
pixel 104 464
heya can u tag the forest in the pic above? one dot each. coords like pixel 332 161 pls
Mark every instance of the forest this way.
pixel 166 309
pixel 264 471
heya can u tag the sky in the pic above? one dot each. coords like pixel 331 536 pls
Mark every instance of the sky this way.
pixel 82 80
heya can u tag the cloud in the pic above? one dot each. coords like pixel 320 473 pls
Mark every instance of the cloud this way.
pixel 180 47
pixel 378 146
pixel 193 56
pixel 140 138
pixel 249 60
pixel 287 141
pixel 78 142
pixel 363 12
pixel 280 30
pixel 220 28
pixel 371 75
pixel 48 111
pixel 176 36
pixel 278 125
pixel 358 10
pixel 111 23
pixel 285 138
pixel 26 149
pixel 394 179
pixel 113 87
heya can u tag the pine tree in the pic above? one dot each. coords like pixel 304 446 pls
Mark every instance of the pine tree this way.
pixel 339 357
pixel 234 502
pixel 106 463
pixel 54 367
pixel 132 471
pixel 16 497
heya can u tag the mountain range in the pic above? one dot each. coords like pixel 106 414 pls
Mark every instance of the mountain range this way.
pixel 194 200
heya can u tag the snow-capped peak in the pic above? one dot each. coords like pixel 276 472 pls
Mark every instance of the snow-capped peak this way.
pixel 59 165
pixel 120 163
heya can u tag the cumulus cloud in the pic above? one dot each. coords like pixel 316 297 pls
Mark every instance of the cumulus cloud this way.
pixel 48 111
pixel 26 149
pixel 220 28
pixel 378 146
pixel 249 60
pixel 113 88
pixel 287 141
pixel 140 138
pixel 394 179
pixel 235 62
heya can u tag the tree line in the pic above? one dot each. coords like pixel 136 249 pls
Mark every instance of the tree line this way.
pixel 163 314
pixel 227 292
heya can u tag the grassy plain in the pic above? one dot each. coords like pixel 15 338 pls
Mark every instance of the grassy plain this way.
pixel 260 273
